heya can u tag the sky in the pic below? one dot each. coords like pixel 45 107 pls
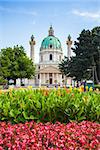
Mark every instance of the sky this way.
pixel 19 19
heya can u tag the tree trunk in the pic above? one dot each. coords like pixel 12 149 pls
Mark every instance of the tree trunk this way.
pixel 98 71
pixel 96 77
pixel 21 83
pixel 7 81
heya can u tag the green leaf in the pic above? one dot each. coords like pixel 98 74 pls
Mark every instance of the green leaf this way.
pixel 25 115
pixel 81 118
pixel 32 117
pixel 11 113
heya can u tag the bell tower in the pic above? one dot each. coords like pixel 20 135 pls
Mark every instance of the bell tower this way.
pixel 69 43
pixel 32 43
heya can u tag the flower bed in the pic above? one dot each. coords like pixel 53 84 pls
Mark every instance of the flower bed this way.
pixel 63 105
pixel 39 136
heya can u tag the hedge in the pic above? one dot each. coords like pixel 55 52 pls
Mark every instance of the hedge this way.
pixel 61 105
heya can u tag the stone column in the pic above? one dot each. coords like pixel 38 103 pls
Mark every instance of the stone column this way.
pixel 53 78
pixel 40 80
pixel 61 80
pixel 69 43
pixel 32 43
pixel 44 78
pixel 48 77
pixel 57 77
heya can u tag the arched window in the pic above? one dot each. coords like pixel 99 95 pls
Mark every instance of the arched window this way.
pixel 50 46
pixel 50 57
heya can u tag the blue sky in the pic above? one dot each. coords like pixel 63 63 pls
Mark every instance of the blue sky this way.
pixel 19 19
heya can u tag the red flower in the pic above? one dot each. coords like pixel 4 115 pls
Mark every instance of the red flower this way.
pixel 38 136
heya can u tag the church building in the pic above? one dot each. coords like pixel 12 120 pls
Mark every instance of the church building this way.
pixel 50 55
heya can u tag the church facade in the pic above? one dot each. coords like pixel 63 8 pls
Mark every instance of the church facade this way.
pixel 50 55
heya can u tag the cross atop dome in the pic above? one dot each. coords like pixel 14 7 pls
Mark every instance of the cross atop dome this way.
pixel 51 31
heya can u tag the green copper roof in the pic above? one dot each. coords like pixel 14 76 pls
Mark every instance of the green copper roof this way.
pixel 51 42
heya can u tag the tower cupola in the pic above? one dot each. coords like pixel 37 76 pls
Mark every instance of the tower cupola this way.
pixel 69 37
pixel 51 31
pixel 32 38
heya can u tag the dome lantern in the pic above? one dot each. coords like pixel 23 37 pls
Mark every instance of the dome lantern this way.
pixel 51 31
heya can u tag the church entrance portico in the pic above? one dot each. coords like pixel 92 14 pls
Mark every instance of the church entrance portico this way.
pixel 50 75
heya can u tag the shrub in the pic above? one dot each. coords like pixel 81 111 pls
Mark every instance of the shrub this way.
pixel 62 105
pixel 3 81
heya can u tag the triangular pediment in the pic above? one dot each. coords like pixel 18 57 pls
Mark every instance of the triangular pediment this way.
pixel 50 69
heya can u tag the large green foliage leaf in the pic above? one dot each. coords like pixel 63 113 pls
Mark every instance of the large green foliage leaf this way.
pixel 24 105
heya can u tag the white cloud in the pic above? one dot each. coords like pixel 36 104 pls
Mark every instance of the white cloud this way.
pixel 20 11
pixel 92 15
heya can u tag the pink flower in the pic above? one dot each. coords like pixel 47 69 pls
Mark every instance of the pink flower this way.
pixel 38 136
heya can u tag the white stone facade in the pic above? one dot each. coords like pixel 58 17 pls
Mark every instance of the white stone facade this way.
pixel 44 56
pixel 50 55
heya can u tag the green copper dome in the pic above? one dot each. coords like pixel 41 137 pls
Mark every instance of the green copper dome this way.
pixel 51 42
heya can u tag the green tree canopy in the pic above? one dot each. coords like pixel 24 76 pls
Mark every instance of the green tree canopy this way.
pixel 96 44
pixel 15 64
pixel 86 56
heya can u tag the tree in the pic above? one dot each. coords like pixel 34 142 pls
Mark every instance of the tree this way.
pixel 2 81
pixel 15 64
pixel 25 68
pixel 96 43
pixel 85 54
pixel 64 66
